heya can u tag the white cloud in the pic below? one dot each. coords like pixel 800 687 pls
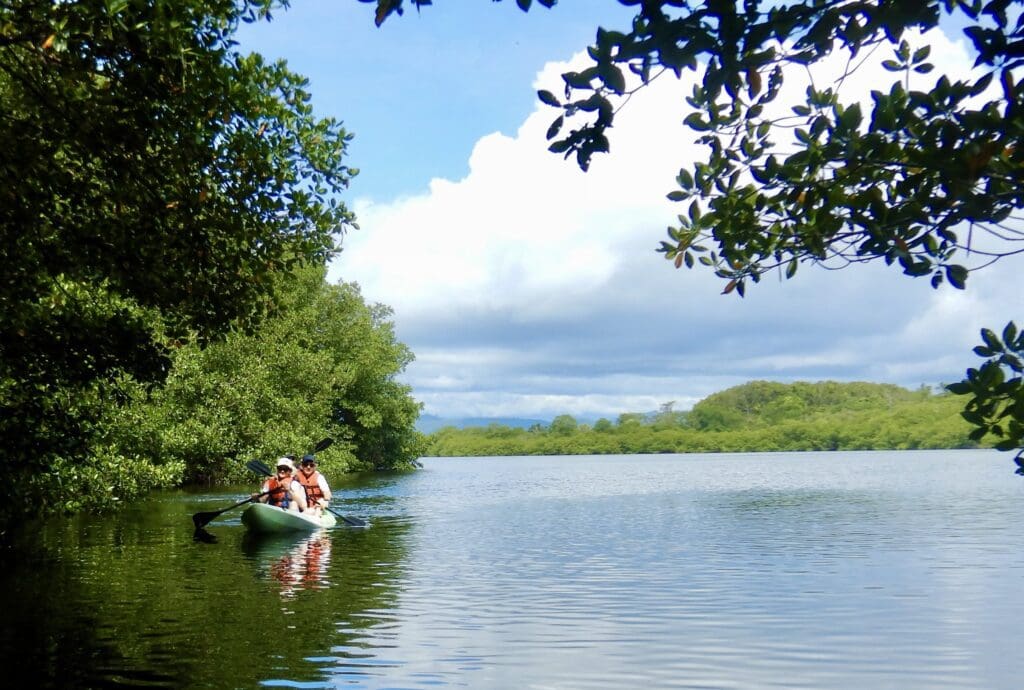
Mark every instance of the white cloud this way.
pixel 529 288
pixel 523 224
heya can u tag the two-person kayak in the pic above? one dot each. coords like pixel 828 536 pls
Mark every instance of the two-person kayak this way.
pixel 261 517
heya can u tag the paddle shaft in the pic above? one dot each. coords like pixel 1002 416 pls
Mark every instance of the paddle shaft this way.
pixel 355 522
pixel 200 520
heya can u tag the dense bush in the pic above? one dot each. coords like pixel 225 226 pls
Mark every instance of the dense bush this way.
pixel 324 364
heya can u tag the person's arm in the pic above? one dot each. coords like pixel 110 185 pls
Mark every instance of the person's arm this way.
pixel 324 489
pixel 299 495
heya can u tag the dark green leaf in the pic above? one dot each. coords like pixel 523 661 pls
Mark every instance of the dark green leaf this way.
pixel 960 388
pixel 696 122
pixel 612 77
pixel 991 340
pixel 1010 332
pixel 549 98
pixel 555 127
pixel 957 276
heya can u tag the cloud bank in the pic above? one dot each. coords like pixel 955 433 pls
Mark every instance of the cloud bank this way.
pixel 531 289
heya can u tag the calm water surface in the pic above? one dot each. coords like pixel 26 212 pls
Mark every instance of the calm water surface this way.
pixel 811 570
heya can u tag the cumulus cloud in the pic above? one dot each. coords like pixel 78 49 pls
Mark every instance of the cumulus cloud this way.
pixel 529 288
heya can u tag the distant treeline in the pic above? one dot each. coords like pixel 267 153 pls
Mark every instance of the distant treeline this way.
pixel 756 416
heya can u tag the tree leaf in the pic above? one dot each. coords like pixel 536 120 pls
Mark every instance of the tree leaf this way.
pixel 555 127
pixel 1010 333
pixel 548 98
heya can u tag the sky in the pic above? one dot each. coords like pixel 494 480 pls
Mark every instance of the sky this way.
pixel 526 288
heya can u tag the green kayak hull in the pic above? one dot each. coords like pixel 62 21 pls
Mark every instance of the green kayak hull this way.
pixel 260 517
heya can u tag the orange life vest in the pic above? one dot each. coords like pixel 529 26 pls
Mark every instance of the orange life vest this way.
pixel 312 486
pixel 281 495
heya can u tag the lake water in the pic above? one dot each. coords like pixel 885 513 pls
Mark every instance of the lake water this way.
pixel 776 570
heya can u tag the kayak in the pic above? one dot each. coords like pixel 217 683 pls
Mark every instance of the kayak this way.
pixel 260 517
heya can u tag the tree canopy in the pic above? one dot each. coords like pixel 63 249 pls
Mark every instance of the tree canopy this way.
pixel 156 185
pixel 929 178
pixel 324 363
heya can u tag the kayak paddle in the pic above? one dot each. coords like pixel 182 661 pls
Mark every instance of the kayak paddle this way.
pixel 324 443
pixel 261 467
pixel 200 520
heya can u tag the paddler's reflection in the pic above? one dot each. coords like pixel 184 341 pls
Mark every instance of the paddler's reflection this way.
pixel 294 565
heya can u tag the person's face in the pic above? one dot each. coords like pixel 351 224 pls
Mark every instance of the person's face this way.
pixel 308 467
pixel 283 472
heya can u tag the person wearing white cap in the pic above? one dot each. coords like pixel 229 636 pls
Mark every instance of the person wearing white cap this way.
pixel 284 492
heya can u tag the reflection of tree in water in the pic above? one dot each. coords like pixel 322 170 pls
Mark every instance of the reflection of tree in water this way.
pixel 102 601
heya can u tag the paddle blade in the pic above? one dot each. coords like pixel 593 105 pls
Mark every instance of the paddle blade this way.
pixel 259 468
pixel 355 522
pixel 351 521
pixel 203 536
pixel 201 520
pixel 323 445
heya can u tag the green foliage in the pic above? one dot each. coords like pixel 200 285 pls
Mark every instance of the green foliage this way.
pixel 563 425
pixel 630 419
pixel 761 403
pixel 668 418
pixel 996 388
pixel 757 416
pixel 322 365
pixel 825 182
pixel 156 184
pixel 105 476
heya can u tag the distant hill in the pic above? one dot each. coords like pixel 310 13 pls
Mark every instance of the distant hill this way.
pixel 429 423
pixel 766 403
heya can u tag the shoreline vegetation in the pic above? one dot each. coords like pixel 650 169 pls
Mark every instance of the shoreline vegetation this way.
pixel 324 363
pixel 756 416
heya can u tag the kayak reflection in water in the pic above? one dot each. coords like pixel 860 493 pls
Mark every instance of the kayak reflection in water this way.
pixel 304 566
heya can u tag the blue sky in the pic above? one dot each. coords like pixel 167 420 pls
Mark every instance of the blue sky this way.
pixel 421 90
pixel 526 288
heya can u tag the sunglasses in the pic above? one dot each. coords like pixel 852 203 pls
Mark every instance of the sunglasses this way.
pixel 308 463
pixel 283 469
